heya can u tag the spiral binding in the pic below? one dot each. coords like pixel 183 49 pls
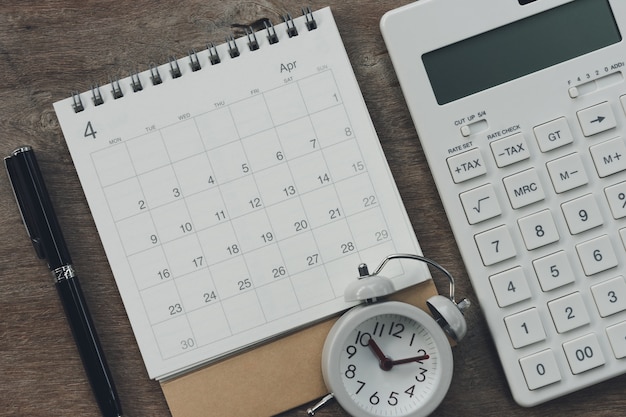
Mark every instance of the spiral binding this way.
pixel 194 61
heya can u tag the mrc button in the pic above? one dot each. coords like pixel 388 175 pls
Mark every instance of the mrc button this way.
pixel 524 188
pixel 466 165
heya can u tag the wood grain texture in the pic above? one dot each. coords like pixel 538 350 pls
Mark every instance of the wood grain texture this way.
pixel 51 47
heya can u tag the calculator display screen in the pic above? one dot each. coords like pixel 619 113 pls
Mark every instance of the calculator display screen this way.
pixel 520 48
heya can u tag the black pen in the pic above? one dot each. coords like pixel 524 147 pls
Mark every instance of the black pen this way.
pixel 44 232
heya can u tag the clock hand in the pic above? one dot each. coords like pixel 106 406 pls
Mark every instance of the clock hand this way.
pixel 383 360
pixel 409 360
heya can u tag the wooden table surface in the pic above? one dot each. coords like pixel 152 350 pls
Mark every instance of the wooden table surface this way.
pixel 49 48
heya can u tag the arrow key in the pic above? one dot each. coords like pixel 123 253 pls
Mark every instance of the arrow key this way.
pixel 596 119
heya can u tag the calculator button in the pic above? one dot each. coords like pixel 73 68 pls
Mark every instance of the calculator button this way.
pixel 596 119
pixel 567 173
pixel 495 245
pixel 617 339
pixel 582 214
pixel 553 271
pixel 610 296
pixel 525 328
pixel 523 188
pixel 569 312
pixel 480 204
pixel 553 134
pixel 510 150
pixel 540 369
pixel 510 286
pixel 596 255
pixel 616 196
pixel 466 166
pixel 583 353
pixel 538 229
pixel 609 157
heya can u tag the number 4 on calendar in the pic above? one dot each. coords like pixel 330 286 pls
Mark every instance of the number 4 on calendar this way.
pixel 89 130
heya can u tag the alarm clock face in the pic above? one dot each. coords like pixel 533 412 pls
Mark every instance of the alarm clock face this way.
pixel 388 363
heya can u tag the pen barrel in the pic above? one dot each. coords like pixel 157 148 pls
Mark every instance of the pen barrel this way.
pixel 88 345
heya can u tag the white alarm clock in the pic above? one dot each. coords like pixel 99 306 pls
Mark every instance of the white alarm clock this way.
pixel 388 358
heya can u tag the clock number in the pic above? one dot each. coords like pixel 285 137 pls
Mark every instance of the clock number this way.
pixel 393 399
pixel 421 352
pixel 362 339
pixel 361 387
pixel 351 371
pixel 410 391
pixel 374 400
pixel 351 351
pixel 399 329
pixel 422 375
pixel 379 331
pixel 395 329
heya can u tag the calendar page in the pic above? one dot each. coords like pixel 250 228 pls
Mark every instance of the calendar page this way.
pixel 236 199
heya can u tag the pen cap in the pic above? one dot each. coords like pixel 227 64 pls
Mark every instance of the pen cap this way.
pixel 36 208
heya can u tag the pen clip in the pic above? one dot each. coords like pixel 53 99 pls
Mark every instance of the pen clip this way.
pixel 20 184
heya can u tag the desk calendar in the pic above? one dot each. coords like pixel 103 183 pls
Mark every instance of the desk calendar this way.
pixel 236 190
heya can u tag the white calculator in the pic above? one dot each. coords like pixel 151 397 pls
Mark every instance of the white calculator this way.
pixel 520 109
